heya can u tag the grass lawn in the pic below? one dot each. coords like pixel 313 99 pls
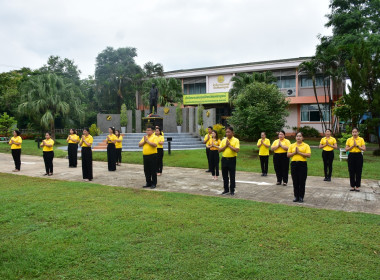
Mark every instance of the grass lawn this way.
pixel 248 159
pixel 52 229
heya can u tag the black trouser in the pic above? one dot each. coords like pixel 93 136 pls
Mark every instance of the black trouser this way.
pixel 229 167
pixel 355 167
pixel 16 154
pixel 264 164
pixel 160 156
pixel 153 103
pixel 48 159
pixel 118 155
pixel 111 157
pixel 150 169
pixel 87 163
pixel 281 166
pixel 328 158
pixel 208 158
pixel 298 170
pixel 72 150
pixel 214 162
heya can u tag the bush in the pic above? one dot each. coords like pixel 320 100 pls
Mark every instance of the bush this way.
pixel 343 139
pixel 94 130
pixel 202 131
pixel 307 131
pixel 178 113
pixel 200 114
pixel 220 129
pixel 123 116
pixel 376 153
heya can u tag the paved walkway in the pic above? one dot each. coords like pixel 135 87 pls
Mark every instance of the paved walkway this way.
pixel 319 194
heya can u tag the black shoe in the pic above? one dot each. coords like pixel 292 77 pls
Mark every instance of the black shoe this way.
pixel 153 187
pixel 262 174
pixel 265 174
pixel 146 186
pixel 285 184
pixel 278 183
pixel 208 171
pixel 300 200
pixel 295 199
pixel 328 179
pixel 225 192
pixel 325 179
pixel 232 193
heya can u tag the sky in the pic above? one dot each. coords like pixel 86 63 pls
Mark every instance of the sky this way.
pixel 178 34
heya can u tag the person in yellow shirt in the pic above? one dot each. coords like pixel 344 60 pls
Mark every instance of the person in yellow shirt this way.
pixel 48 153
pixel 111 149
pixel 213 144
pixel 355 146
pixel 149 144
pixel 280 160
pixel 118 146
pixel 15 143
pixel 264 144
pixel 229 147
pixel 205 141
pixel 328 144
pixel 72 148
pixel 160 150
pixel 299 151
pixel 86 144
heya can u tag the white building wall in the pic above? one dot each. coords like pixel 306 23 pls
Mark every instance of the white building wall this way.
pixel 291 120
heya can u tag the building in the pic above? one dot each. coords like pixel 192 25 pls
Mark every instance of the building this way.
pixel 210 86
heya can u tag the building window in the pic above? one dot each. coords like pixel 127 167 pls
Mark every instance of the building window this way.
pixel 286 81
pixel 306 81
pixel 194 85
pixel 310 113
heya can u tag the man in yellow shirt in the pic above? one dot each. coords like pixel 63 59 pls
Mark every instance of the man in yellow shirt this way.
pixel 149 143
pixel 264 144
pixel 230 146
pixel 15 143
pixel 207 138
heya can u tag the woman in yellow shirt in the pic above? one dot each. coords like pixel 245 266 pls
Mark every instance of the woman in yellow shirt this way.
pixel 213 144
pixel 111 149
pixel 328 144
pixel 264 144
pixel 280 160
pixel 86 143
pixel 355 146
pixel 118 146
pixel 72 148
pixel 48 153
pixel 15 143
pixel 160 150
pixel 299 151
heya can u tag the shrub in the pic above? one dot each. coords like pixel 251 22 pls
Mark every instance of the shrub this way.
pixel 308 131
pixel 94 130
pixel 202 131
pixel 220 129
pixel 376 153
pixel 178 114
pixel 343 139
pixel 200 114
pixel 123 116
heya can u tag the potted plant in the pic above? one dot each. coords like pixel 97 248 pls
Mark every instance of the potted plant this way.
pixel 179 119
pixel 200 115
pixel 123 118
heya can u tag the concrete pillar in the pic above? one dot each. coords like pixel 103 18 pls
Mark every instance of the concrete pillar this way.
pixel 191 120
pixel 129 124
pixel 185 117
pixel 138 121
pixel 209 120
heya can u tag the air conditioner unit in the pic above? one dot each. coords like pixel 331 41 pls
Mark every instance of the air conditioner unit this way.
pixel 289 92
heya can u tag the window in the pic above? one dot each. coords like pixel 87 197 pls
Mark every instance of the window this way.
pixel 194 85
pixel 306 81
pixel 286 81
pixel 310 113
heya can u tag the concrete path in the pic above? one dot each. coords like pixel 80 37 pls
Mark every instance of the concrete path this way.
pixel 333 195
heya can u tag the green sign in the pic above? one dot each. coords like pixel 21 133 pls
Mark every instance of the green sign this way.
pixel 205 98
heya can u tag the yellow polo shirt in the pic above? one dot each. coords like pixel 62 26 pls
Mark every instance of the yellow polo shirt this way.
pixel 331 141
pixel 284 142
pixel 75 137
pixel 119 145
pixel 48 142
pixel 160 139
pixel 359 142
pixel 204 139
pixel 263 151
pixel 112 137
pixel 228 152
pixel 89 140
pixel 303 148
pixel 148 149
pixel 215 142
pixel 16 139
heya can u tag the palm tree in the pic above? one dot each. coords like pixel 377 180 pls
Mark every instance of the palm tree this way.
pixel 46 97
pixel 169 90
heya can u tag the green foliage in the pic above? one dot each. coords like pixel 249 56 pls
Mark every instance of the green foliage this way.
pixel 169 91
pixel 376 153
pixel 153 70
pixel 178 114
pixel 94 130
pixel 64 68
pixel 220 129
pixel 200 110
pixel 6 123
pixel 343 139
pixel 202 131
pixel 123 116
pixel 307 131
pixel 259 107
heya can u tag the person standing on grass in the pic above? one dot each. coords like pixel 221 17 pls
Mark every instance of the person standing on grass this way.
pixel 355 146
pixel 160 150
pixel 15 143
pixel 264 144
pixel 118 146
pixel 72 148
pixel 280 160
pixel 229 146
pixel 205 141
pixel 86 144
pixel 48 153
pixel 149 143
pixel 299 151
pixel 111 149
pixel 213 144
pixel 328 144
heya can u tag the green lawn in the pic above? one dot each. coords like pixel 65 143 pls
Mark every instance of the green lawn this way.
pixel 247 159
pixel 52 229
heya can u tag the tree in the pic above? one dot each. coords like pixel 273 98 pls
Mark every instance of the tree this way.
pixel 153 70
pixel 6 123
pixel 123 116
pixel 64 68
pixel 259 107
pixel 169 91
pixel 46 97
